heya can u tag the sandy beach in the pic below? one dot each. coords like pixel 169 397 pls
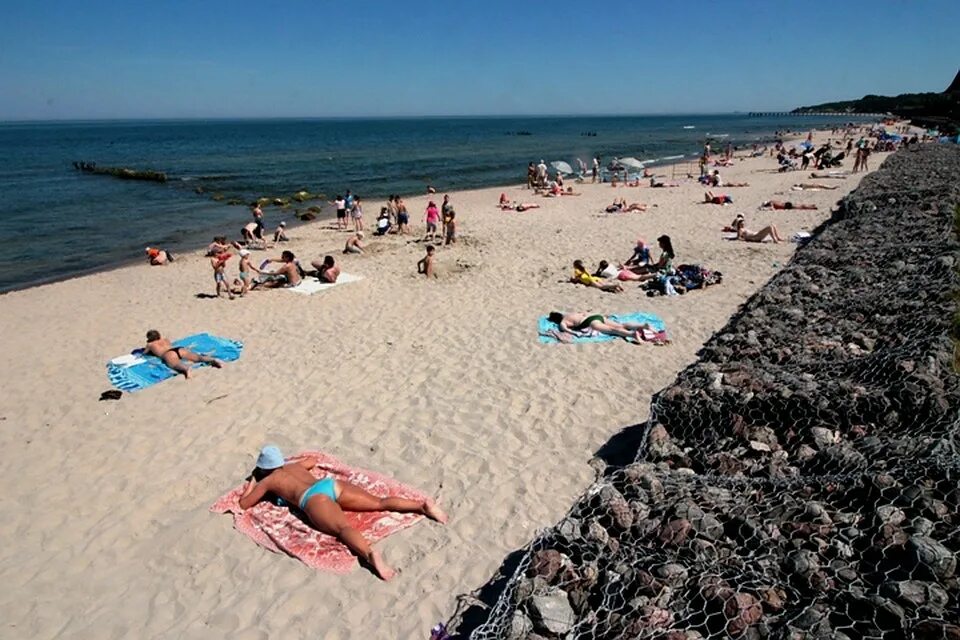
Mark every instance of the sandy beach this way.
pixel 440 384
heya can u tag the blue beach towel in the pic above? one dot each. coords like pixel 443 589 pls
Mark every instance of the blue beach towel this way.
pixel 544 325
pixel 149 370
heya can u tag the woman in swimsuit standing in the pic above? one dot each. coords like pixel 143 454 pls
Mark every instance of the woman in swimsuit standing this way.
pixel 324 501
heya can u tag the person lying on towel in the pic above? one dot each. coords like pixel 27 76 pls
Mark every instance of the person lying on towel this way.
pixel 177 358
pixel 583 324
pixel 324 501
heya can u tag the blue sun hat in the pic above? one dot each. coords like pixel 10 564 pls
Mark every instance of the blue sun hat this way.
pixel 270 458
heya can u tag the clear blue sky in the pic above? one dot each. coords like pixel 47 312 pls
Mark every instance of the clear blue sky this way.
pixel 219 58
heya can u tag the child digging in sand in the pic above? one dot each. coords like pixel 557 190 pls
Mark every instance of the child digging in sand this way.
pixel 425 265
pixel 324 501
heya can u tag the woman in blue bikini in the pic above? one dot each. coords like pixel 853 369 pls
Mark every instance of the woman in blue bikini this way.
pixel 324 501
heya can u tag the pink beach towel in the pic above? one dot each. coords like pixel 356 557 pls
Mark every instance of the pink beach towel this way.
pixel 277 529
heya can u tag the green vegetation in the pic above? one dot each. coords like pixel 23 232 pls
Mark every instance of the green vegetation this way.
pixel 934 110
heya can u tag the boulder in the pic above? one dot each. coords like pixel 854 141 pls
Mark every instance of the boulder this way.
pixel 551 612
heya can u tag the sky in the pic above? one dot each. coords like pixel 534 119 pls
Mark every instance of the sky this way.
pixel 238 58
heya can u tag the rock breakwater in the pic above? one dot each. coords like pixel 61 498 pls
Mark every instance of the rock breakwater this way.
pixel 802 479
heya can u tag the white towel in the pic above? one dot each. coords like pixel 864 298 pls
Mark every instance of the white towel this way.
pixel 310 285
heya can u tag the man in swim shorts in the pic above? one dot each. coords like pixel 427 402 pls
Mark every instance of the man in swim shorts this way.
pixel 177 358
pixel 288 275
pixel 324 500
pixel 582 324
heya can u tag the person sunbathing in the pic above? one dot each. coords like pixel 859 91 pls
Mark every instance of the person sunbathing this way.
pixel 288 275
pixel 572 325
pixel 177 358
pixel 523 206
pixel 777 204
pixel 770 231
pixel 661 184
pixel 327 270
pixel 831 176
pixel 581 276
pixel 505 202
pixel 813 186
pixel 324 501
pixel 607 270
pixel 617 206
pixel 720 198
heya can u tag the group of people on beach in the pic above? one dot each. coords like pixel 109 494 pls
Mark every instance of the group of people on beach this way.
pixel 324 500
pixel 286 270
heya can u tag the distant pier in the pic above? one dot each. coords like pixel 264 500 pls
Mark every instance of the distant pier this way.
pixel 784 114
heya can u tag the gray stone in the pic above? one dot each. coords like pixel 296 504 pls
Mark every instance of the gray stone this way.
pixel 930 557
pixel 552 612
pixel 889 514
pixel 520 626
pixel 823 437
pixel 674 575
pixel 802 562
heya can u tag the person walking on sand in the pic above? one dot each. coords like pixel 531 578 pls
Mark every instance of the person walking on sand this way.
pixel 341 206
pixel 177 358
pixel 219 264
pixel 246 279
pixel 403 217
pixel 431 216
pixel 356 213
pixel 450 227
pixel 445 209
pixel 323 501
pixel 258 220
pixel 595 171
pixel 425 265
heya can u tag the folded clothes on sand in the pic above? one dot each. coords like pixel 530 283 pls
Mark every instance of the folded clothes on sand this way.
pixel 281 529
pixel 310 285
pixel 139 370
pixel 544 326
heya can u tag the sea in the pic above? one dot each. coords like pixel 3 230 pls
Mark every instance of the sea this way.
pixel 58 222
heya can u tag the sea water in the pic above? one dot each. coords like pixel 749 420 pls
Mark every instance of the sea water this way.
pixel 58 222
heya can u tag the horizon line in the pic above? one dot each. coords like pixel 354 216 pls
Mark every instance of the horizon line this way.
pixel 393 117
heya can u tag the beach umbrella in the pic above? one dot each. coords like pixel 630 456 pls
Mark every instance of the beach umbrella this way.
pixel 633 163
pixel 561 166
